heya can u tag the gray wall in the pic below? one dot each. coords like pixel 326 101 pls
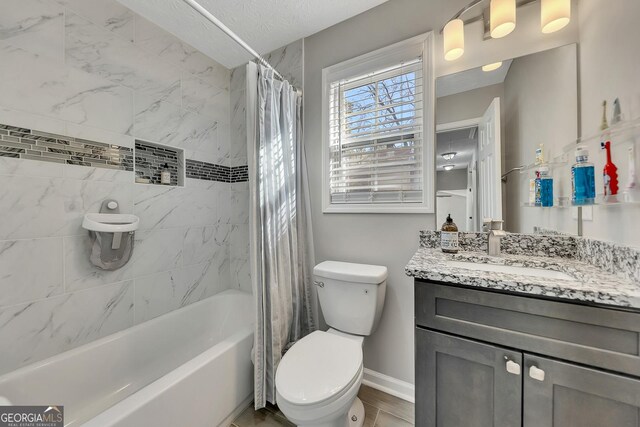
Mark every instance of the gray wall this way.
pixel 451 180
pixel 391 239
pixel 609 68
pixel 540 106
pixel 467 105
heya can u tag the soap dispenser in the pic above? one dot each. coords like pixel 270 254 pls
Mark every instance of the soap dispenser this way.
pixel 449 236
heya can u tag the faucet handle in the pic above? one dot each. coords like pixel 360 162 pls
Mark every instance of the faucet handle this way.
pixel 496 224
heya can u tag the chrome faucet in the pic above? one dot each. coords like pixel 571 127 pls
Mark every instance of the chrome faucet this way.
pixel 494 227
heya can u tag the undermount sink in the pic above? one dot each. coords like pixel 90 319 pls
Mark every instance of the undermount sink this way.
pixel 512 269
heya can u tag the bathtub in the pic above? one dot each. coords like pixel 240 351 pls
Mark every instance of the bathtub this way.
pixel 190 367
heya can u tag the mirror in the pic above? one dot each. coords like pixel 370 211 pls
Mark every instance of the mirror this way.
pixel 489 123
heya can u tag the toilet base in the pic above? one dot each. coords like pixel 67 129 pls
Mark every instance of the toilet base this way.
pixel 356 413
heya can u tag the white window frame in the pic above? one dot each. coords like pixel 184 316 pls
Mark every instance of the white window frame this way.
pixel 377 60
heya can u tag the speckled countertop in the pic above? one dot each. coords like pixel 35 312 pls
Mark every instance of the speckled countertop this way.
pixel 592 284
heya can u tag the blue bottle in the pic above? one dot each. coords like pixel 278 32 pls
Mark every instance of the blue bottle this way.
pixel 544 188
pixel 583 179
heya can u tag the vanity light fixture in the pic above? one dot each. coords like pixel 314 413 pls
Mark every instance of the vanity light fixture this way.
pixel 448 156
pixel 453 35
pixel 491 67
pixel 448 167
pixel 502 17
pixel 554 15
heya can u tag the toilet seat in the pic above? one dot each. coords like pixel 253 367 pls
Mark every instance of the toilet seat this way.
pixel 320 367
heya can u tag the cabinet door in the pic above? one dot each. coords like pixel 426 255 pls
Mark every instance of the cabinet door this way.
pixel 561 394
pixel 461 382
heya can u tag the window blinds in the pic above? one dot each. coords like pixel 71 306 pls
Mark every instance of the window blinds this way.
pixel 376 137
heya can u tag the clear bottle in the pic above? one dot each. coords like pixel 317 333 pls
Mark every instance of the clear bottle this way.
pixel 165 175
pixel 449 236
pixel 583 179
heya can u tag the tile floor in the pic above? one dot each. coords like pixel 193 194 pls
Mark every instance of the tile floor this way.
pixel 381 410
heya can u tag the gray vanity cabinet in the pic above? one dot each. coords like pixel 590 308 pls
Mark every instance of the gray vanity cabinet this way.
pixel 493 359
pixel 576 396
pixel 468 384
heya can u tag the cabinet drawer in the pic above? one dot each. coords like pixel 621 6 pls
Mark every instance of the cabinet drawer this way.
pixel 599 337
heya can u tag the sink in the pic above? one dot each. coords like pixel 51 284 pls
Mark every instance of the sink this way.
pixel 512 269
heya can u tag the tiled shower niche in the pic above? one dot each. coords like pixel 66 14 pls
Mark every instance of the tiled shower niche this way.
pixel 150 160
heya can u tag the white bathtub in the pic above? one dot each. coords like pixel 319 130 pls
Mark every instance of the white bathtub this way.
pixel 190 367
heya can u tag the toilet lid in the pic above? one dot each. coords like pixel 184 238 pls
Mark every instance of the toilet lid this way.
pixel 318 367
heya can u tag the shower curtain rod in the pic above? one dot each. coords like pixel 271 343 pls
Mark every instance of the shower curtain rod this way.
pixel 215 21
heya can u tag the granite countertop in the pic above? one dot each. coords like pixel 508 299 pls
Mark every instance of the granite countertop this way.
pixel 591 284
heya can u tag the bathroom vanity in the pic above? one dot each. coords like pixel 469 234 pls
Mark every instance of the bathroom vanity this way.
pixel 523 339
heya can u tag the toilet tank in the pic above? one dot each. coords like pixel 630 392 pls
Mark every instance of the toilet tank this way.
pixel 351 295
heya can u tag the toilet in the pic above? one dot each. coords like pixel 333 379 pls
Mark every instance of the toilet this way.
pixel 318 379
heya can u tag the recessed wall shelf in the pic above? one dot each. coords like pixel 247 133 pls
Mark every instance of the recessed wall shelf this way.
pixel 150 159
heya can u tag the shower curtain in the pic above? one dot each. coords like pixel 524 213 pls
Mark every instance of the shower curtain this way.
pixel 280 224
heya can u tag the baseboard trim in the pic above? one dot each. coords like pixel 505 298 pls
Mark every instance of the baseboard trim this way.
pixel 389 385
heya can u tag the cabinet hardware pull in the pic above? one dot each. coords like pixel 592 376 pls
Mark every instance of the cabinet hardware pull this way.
pixel 536 373
pixel 318 284
pixel 513 367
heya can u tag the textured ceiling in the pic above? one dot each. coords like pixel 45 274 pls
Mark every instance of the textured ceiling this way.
pixel 264 24
pixel 464 142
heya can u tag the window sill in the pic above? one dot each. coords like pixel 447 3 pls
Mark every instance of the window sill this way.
pixel 376 209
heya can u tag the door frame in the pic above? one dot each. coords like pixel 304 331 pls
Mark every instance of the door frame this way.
pixel 465 124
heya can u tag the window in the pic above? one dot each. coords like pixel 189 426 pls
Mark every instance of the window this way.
pixel 378 131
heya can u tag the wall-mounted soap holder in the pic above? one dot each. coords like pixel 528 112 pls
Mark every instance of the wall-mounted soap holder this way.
pixel 112 236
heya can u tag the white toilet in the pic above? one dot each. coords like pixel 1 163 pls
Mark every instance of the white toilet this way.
pixel 318 379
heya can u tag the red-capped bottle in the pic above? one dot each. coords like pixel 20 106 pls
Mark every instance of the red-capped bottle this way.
pixel 609 173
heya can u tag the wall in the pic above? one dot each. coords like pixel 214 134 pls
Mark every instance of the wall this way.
pixel 288 60
pixel 451 180
pixel 540 106
pixel 391 239
pixel 609 68
pixel 467 105
pixel 91 69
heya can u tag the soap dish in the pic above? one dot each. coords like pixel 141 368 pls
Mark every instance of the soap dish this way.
pixel 110 223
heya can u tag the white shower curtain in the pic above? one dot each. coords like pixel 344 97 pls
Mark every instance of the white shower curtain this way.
pixel 281 239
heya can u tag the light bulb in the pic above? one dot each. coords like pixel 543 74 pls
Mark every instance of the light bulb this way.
pixel 448 167
pixel 491 67
pixel 453 35
pixel 502 17
pixel 554 15
pixel 450 155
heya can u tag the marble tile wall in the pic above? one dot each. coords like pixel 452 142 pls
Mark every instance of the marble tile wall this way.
pixel 289 61
pixel 91 69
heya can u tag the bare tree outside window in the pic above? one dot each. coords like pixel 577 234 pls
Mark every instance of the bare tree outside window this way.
pixel 379 125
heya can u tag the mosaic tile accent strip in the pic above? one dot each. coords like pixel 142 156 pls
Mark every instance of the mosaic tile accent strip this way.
pixel 240 173
pixel 150 161
pixel 31 144
pixel 207 171
pixel 212 172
